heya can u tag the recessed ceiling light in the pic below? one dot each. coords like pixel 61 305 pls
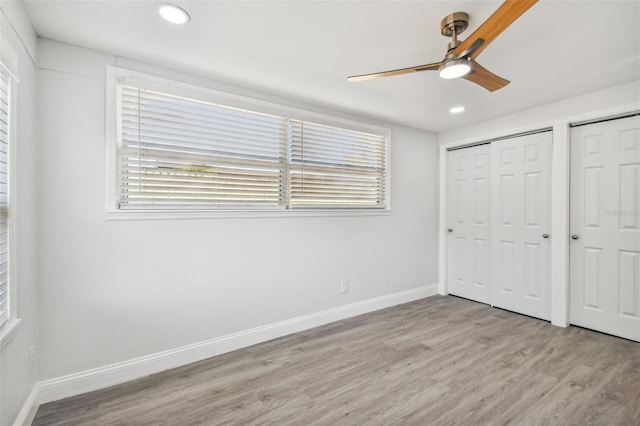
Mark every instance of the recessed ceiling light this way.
pixel 456 109
pixel 174 14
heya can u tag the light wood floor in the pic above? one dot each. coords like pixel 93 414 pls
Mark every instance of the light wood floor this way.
pixel 437 361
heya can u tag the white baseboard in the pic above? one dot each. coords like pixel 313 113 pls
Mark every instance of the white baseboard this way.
pixel 29 408
pixel 110 375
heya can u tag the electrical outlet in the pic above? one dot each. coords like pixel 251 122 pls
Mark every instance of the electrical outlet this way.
pixel 344 286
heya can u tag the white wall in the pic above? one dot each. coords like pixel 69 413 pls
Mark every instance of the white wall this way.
pixel 112 291
pixel 17 377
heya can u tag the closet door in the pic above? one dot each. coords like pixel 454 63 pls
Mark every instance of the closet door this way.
pixel 521 222
pixel 468 256
pixel 605 227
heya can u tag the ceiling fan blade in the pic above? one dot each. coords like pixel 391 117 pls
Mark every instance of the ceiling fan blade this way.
pixel 485 78
pixel 506 14
pixel 425 67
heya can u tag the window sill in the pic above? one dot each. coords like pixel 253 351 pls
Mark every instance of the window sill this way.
pixel 233 214
pixel 7 331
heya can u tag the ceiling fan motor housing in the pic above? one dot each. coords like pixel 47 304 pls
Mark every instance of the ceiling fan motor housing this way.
pixel 452 25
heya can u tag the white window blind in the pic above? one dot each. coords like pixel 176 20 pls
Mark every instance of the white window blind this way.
pixel 183 153
pixel 5 84
pixel 332 167
pixel 179 153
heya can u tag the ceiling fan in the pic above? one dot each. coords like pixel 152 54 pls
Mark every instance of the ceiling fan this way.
pixel 460 60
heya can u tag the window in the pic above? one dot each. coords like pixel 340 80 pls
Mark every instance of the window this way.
pixel 5 115
pixel 178 152
pixel 334 167
pixel 181 153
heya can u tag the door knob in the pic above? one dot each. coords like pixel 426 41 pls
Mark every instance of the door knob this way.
pixel 574 237
pixel 450 229
pixel 545 235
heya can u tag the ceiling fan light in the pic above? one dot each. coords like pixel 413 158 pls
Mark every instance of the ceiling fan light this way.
pixel 454 68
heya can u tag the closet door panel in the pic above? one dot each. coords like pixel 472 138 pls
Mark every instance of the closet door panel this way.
pixel 520 219
pixel 604 289
pixel 468 241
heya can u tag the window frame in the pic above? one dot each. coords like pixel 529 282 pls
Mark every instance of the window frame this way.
pixel 116 75
pixel 9 64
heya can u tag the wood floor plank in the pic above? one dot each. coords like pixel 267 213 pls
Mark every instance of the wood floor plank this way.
pixel 437 361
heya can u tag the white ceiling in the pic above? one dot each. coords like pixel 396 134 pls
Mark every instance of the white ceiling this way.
pixel 306 49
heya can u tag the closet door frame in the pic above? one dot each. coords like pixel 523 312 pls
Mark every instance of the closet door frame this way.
pixel 560 172
pixel 462 226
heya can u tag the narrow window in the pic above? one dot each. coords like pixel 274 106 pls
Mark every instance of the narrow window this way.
pixel 5 132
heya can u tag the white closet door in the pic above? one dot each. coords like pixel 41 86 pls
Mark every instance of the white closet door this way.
pixel 605 227
pixel 521 222
pixel 469 223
